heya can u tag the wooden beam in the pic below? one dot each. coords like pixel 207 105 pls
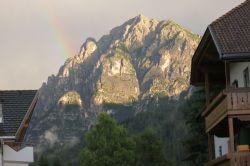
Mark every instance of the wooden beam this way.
pixel 204 47
pixel 211 150
pixel 231 134
pixel 212 56
pixel 215 117
pixel 216 100
pixel 227 75
pixel 238 112
pixel 207 87
pixel 213 68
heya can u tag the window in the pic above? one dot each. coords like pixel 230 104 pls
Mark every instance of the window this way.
pixel 235 84
pixel 1 113
pixel 246 77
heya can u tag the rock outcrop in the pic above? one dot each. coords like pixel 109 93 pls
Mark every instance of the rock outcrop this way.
pixel 140 59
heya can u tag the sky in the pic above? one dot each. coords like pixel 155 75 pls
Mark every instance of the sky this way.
pixel 37 36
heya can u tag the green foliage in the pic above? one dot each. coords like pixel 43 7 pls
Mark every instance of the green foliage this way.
pixel 56 162
pixel 69 163
pixel 43 161
pixel 174 25
pixel 161 114
pixel 149 149
pixel 123 47
pixel 121 55
pixel 119 111
pixel 107 144
pixel 196 142
pixel 175 124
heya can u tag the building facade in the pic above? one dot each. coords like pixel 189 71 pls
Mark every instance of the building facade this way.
pixel 16 108
pixel 221 65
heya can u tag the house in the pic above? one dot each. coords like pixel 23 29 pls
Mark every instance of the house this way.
pixel 16 108
pixel 221 64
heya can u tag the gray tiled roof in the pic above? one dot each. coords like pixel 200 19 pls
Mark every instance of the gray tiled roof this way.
pixel 232 31
pixel 15 104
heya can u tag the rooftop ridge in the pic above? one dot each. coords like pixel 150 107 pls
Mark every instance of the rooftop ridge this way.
pixel 230 12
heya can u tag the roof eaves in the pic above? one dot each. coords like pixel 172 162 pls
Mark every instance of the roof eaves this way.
pixel 198 55
pixel 215 41
pixel 245 56
pixel 31 107
pixel 200 47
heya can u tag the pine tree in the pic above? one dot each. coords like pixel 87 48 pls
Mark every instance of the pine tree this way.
pixel 43 161
pixel 196 141
pixel 108 144
pixel 149 149
pixel 56 162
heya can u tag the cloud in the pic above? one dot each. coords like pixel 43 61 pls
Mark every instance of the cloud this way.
pixel 51 136
pixel 29 50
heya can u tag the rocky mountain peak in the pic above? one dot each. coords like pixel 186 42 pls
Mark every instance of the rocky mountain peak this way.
pixel 141 18
pixel 88 47
pixel 136 62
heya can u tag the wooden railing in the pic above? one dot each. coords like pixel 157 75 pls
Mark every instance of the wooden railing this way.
pixel 221 161
pixel 232 159
pixel 232 100
pixel 240 158
pixel 218 113
pixel 238 98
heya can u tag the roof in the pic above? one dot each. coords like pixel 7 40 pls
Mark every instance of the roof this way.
pixel 225 39
pixel 15 105
pixel 231 32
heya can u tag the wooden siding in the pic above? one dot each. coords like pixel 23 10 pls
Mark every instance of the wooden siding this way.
pixel 228 102
pixel 232 159
pixel 240 159
pixel 218 113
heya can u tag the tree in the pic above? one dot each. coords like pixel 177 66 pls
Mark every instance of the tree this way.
pixel 108 144
pixel 69 163
pixel 43 161
pixel 196 141
pixel 56 162
pixel 149 149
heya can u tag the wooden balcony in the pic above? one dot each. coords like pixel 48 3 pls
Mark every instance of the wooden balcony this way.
pixel 228 102
pixel 232 159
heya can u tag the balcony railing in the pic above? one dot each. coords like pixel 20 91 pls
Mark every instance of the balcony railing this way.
pixel 232 159
pixel 238 99
pixel 229 101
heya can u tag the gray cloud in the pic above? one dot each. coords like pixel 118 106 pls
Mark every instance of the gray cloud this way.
pixel 29 51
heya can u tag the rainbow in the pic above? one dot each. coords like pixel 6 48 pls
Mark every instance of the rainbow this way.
pixel 63 41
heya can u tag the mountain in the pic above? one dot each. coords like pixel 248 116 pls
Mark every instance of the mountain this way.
pixel 141 60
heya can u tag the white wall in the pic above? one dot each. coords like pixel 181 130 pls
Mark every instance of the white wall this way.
pixel 223 142
pixel 23 155
pixel 15 164
pixel 236 72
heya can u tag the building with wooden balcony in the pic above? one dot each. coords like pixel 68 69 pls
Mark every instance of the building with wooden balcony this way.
pixel 221 65
pixel 16 108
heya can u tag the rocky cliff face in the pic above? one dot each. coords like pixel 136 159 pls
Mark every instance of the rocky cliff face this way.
pixel 140 59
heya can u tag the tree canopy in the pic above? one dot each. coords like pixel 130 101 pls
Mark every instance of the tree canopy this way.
pixel 108 144
pixel 149 149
